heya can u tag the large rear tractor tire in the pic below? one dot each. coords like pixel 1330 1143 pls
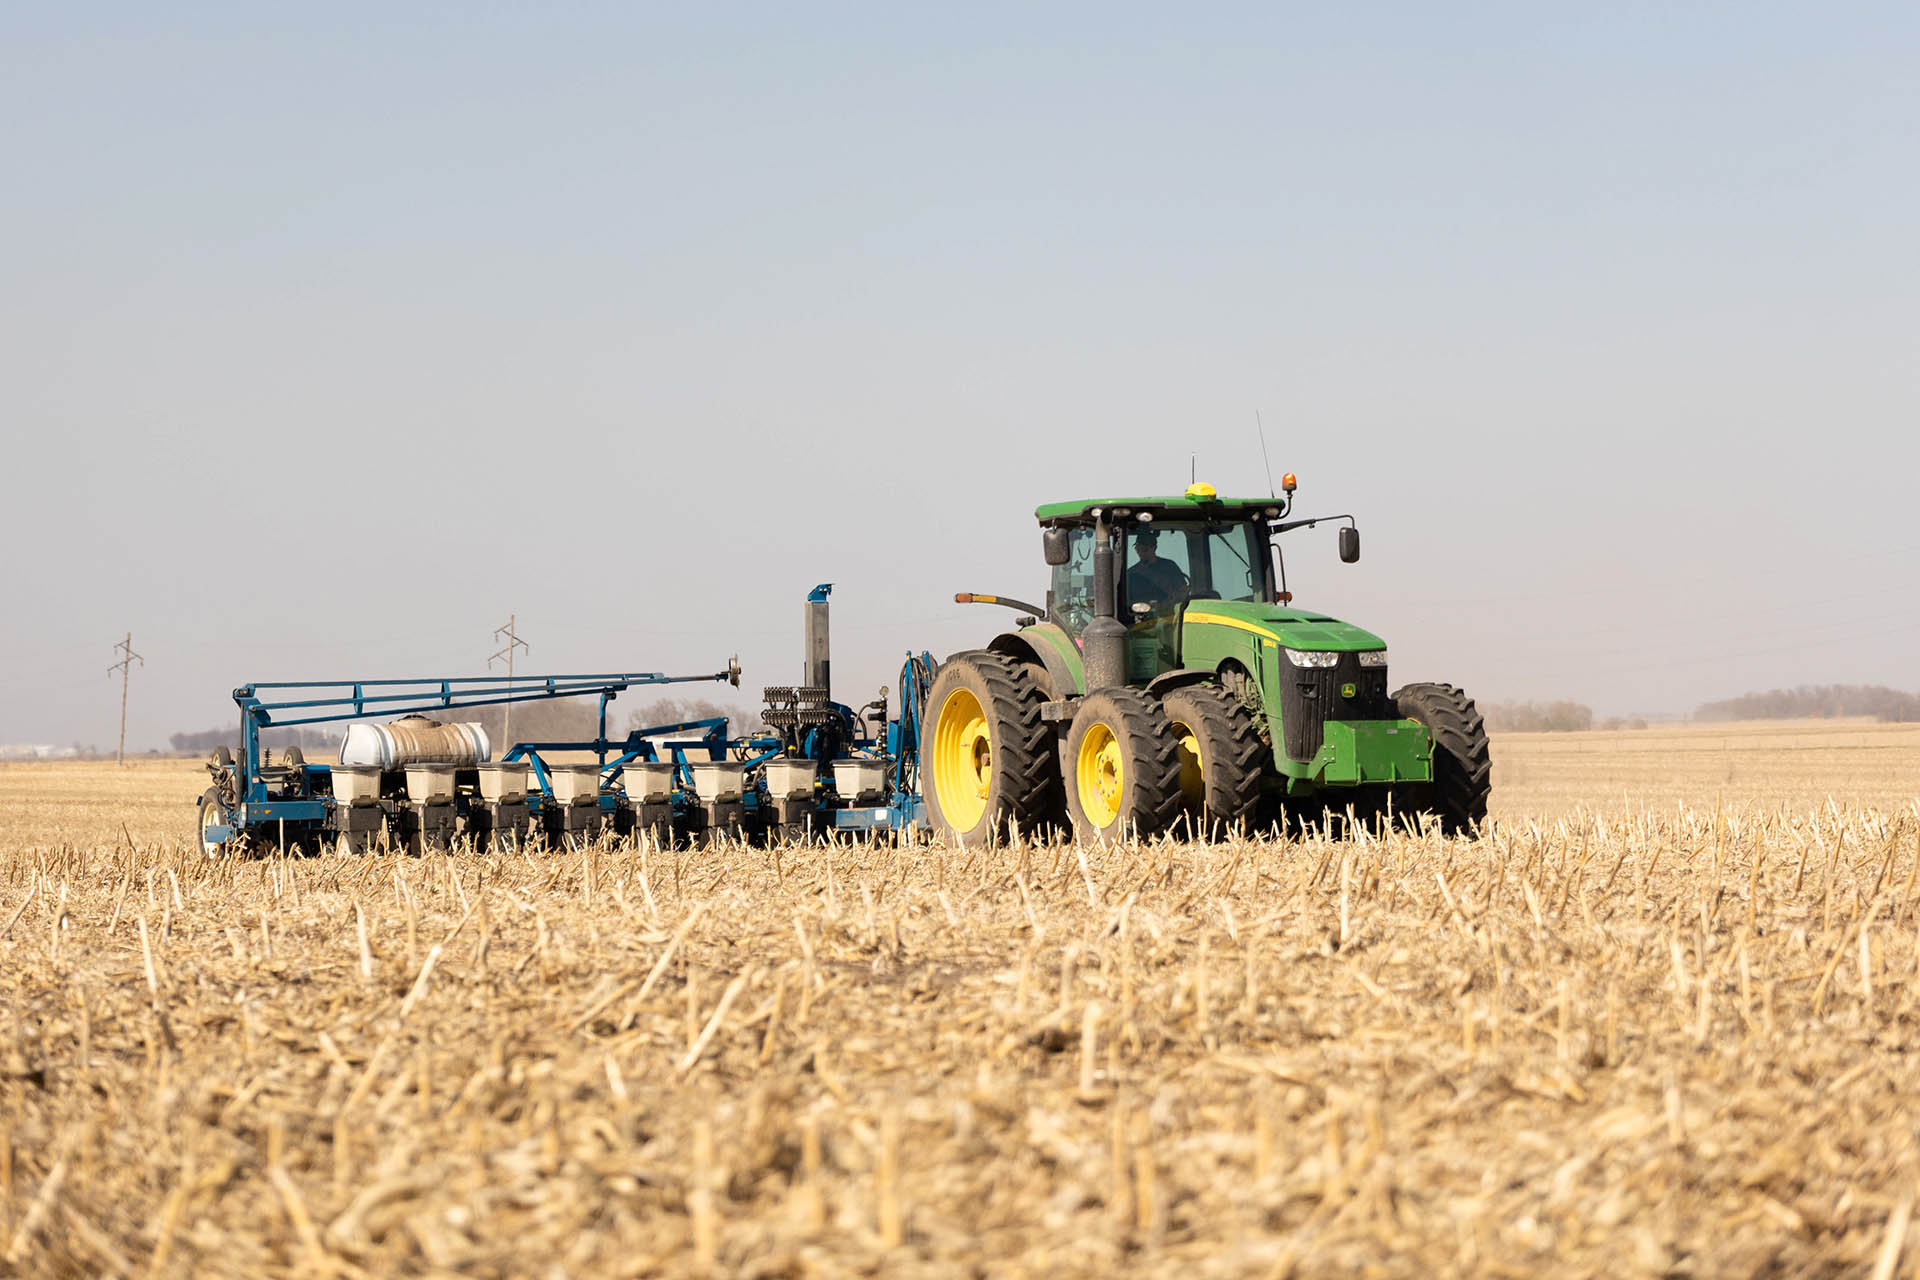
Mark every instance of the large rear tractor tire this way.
pixel 986 758
pixel 1123 771
pixel 1462 763
pixel 1220 759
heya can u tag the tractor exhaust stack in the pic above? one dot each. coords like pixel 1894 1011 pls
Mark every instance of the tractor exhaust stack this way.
pixel 1103 643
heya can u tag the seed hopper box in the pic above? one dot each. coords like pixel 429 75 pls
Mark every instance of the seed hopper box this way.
pixel 503 783
pixel 790 779
pixel 430 783
pixel 354 787
pixel 718 780
pixel 574 783
pixel 648 782
pixel 859 780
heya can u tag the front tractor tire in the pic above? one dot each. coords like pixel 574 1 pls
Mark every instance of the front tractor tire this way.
pixel 1462 763
pixel 1221 758
pixel 986 758
pixel 1123 771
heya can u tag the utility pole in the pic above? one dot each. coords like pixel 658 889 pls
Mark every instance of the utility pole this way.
pixel 125 667
pixel 513 642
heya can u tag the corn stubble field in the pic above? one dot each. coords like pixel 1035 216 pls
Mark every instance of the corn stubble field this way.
pixel 1657 1021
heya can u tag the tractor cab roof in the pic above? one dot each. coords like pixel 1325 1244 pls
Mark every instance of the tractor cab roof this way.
pixel 1199 500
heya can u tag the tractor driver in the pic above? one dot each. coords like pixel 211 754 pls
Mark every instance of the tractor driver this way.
pixel 1152 580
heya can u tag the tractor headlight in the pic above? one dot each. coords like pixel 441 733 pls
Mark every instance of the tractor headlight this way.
pixel 1374 658
pixel 1312 657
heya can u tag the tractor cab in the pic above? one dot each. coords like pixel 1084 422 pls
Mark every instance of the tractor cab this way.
pixel 1169 559
pixel 1167 553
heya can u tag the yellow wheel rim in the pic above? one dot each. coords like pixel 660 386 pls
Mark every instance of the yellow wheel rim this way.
pixel 962 760
pixel 1193 780
pixel 1101 774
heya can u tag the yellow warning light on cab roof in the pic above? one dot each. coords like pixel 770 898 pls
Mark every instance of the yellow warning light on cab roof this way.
pixel 1201 492
pixel 1288 483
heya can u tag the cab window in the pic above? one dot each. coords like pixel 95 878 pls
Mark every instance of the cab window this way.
pixel 1070 591
pixel 1159 564
pixel 1169 562
pixel 1236 565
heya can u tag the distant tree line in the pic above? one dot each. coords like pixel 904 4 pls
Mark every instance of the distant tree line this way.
pixel 1537 717
pixel 558 720
pixel 578 719
pixel 1808 702
pixel 1816 702
pixel 305 738
pixel 681 710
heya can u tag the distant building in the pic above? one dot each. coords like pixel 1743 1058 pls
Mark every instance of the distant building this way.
pixel 36 751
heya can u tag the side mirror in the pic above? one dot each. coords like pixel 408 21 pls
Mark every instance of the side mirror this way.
pixel 1055 541
pixel 1349 544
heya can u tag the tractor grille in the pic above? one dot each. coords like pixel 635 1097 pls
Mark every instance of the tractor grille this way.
pixel 1310 696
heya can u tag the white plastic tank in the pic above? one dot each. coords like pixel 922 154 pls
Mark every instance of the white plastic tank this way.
pixel 430 783
pixel 858 781
pixel 574 783
pixel 355 786
pixel 787 779
pixel 503 783
pixel 648 781
pixel 414 740
pixel 718 780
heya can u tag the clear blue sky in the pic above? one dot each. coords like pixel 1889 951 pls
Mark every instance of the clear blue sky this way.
pixel 330 336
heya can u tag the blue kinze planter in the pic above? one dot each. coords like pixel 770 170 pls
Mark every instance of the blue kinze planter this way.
pixel 414 782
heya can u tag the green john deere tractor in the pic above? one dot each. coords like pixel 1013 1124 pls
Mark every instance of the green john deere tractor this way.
pixel 1170 684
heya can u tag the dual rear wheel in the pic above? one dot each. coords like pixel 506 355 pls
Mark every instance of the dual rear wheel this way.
pixel 986 757
pixel 1222 759
pixel 1130 763
pixel 1191 763
pixel 1125 766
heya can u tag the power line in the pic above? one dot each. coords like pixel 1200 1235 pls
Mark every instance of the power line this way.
pixel 125 667
pixel 513 642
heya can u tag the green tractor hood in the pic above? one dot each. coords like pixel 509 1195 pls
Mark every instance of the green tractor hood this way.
pixel 1286 626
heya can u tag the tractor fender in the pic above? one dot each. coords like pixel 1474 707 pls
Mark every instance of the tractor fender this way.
pixel 1167 681
pixel 1021 647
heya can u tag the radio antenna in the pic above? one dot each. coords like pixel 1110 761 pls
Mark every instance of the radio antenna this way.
pixel 1265 460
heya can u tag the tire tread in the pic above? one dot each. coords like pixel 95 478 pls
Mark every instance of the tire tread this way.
pixel 1153 762
pixel 1026 788
pixel 1232 741
pixel 1462 759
